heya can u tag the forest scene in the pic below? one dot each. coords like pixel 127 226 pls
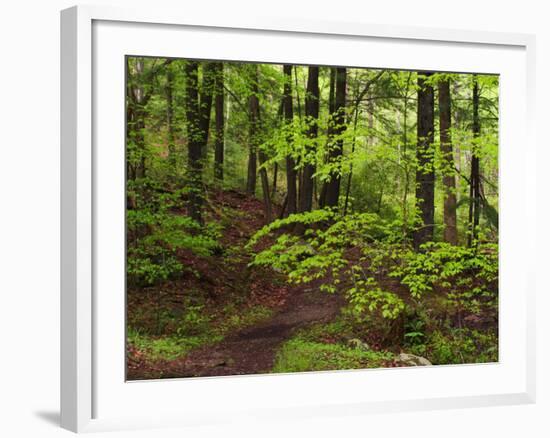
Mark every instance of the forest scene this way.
pixel 292 218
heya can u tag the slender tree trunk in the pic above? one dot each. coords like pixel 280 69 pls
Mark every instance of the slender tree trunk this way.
pixel 268 210
pixel 137 130
pixel 170 115
pixel 337 148
pixel 251 174
pixel 475 176
pixel 254 114
pixel 425 172
pixel 370 120
pixel 275 176
pixel 206 95
pixel 130 122
pixel 252 152
pixel 457 152
pixel 406 167
pixel 350 175
pixel 195 138
pixel 219 104
pixel 330 129
pixel 312 116
pixel 140 119
pixel 450 234
pixel 291 202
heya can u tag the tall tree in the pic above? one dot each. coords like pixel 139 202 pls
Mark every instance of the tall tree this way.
pixel 475 174
pixel 254 134
pixel 206 95
pixel 312 118
pixel 450 233
pixel 198 106
pixel 337 148
pixel 291 197
pixel 330 128
pixel 219 144
pixel 195 138
pixel 425 172
pixel 137 97
pixel 170 114
pixel 252 152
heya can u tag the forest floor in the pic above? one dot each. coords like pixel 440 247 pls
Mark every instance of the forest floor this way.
pixel 246 316
pixel 223 317
pixel 252 350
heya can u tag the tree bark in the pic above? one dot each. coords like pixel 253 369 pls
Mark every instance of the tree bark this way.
pixel 290 162
pixel 475 176
pixel 170 115
pixel 219 144
pixel 275 176
pixel 450 233
pixel 206 95
pixel 350 175
pixel 336 149
pixel 425 172
pixel 254 114
pixel 252 152
pixel 136 119
pixel 312 116
pixel 195 137
pixel 330 129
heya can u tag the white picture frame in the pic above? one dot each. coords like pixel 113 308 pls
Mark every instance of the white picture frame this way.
pixel 87 388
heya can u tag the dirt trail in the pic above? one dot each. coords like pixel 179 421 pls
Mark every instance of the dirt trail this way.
pixel 252 350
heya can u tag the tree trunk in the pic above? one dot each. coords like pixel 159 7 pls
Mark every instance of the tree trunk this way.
pixel 265 187
pixel 275 176
pixel 254 133
pixel 336 149
pixel 195 138
pixel 350 175
pixel 475 176
pixel 330 129
pixel 136 119
pixel 220 125
pixel 290 163
pixel 312 116
pixel 170 115
pixel 130 121
pixel 252 152
pixel 207 92
pixel 425 172
pixel 450 233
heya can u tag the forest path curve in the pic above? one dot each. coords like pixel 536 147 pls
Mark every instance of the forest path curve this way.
pixel 252 350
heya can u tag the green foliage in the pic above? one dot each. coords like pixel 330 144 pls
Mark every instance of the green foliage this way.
pixel 354 253
pixel 468 275
pixel 168 347
pixel 462 346
pixel 415 299
pixel 156 233
pixel 326 253
pixel 298 355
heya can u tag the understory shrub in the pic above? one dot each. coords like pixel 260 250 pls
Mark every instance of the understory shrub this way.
pixel 156 233
pixel 373 264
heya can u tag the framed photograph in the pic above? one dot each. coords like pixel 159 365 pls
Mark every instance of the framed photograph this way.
pixel 275 217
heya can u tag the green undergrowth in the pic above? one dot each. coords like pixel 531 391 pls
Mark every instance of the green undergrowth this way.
pixel 324 347
pixel 205 332
pixel 459 346
pixel 168 347
pixel 299 355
